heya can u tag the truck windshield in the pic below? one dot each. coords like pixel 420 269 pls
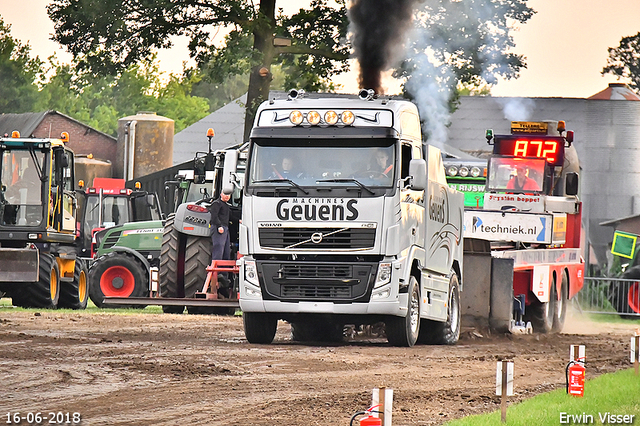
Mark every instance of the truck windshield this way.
pixel 318 166
pixel 517 175
pixel 21 187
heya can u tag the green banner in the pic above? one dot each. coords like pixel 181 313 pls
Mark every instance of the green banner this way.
pixel 624 244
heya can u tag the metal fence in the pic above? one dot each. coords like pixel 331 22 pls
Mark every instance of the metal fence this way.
pixel 610 296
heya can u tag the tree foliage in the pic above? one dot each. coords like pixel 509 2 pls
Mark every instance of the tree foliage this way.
pixel 19 74
pixel 110 36
pixel 624 60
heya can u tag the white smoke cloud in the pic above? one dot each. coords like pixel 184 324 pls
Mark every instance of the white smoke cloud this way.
pixel 517 109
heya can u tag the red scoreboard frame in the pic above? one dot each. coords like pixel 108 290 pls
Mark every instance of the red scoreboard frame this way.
pixel 549 147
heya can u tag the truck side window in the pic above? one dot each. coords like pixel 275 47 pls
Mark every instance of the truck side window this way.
pixel 405 158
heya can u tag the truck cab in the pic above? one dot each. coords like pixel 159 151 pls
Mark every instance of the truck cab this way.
pixel 346 219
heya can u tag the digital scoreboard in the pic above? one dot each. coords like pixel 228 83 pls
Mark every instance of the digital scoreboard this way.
pixel 549 147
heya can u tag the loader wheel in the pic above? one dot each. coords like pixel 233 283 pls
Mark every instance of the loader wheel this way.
pixel 541 314
pixel 171 265
pixel 448 332
pixel 74 295
pixel 117 275
pixel 44 293
pixel 561 305
pixel 259 327
pixel 404 331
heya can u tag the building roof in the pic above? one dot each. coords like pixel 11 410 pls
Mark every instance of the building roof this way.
pixel 617 91
pixel 26 123
pixel 227 123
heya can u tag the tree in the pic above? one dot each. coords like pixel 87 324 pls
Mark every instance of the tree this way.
pixel 18 74
pixel 624 60
pixel 112 35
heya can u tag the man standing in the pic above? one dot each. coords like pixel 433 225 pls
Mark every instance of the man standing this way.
pixel 220 224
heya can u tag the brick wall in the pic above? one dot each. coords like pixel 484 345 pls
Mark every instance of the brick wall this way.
pixel 82 139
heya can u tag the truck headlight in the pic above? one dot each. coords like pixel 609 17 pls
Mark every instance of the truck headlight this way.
pixel 251 272
pixel 384 274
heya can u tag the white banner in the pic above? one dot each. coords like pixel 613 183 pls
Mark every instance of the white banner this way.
pixel 508 226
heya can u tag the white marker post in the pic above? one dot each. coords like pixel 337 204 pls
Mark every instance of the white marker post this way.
pixel 635 351
pixel 504 385
pixel 384 397
pixel 577 354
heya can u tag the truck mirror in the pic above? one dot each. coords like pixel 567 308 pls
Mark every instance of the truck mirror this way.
pixel 229 171
pixel 571 183
pixel 151 200
pixel 418 173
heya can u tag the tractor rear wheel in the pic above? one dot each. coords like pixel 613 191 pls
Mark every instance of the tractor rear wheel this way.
pixel 42 294
pixel 171 265
pixel 117 275
pixel 75 295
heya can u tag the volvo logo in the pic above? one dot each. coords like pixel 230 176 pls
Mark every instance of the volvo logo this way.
pixel 316 237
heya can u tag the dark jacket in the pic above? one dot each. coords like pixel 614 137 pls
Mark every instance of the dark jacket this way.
pixel 219 214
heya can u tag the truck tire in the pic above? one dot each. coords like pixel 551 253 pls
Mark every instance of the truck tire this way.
pixel 541 314
pixel 171 265
pixel 448 332
pixel 259 327
pixel 404 331
pixel 117 275
pixel 317 332
pixel 75 295
pixel 42 294
pixel 561 305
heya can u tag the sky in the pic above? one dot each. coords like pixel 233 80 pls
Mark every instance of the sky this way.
pixel 565 44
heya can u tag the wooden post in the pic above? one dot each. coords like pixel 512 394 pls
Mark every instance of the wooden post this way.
pixel 503 401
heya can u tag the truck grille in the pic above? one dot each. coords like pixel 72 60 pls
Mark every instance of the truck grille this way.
pixel 307 238
pixel 316 271
pixel 315 292
pixel 319 281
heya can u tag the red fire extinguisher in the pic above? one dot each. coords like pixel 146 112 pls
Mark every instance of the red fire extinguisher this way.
pixel 575 374
pixel 369 420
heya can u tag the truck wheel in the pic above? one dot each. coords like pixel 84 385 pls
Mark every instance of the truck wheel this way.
pixel 541 314
pixel 74 295
pixel 561 305
pixel 310 332
pixel 259 327
pixel 44 293
pixel 171 264
pixel 117 275
pixel 448 332
pixel 404 331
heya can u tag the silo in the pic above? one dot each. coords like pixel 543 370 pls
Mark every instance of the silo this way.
pixel 145 145
pixel 87 168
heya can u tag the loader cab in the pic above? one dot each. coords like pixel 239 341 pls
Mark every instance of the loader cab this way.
pixel 36 188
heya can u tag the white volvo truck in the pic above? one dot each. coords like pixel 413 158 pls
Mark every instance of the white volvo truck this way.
pixel 347 219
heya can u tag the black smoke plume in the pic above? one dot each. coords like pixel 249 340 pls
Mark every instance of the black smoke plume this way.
pixel 378 28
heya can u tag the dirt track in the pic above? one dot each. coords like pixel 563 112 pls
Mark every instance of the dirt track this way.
pixel 154 369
